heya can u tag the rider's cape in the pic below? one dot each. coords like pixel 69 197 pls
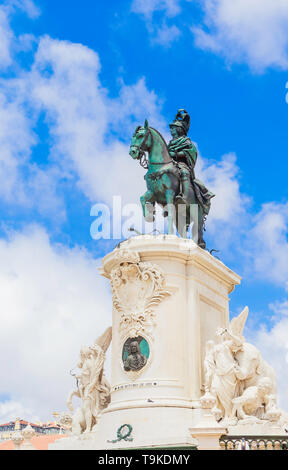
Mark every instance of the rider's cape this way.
pixel 184 144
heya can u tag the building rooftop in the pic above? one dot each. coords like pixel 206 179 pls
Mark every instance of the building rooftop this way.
pixel 39 442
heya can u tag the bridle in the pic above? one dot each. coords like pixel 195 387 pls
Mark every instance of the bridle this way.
pixel 143 159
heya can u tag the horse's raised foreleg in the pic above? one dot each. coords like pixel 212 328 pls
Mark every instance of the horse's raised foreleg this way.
pixel 148 206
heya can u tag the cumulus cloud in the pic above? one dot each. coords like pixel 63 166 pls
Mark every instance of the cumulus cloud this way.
pixel 53 300
pixel 16 141
pixel 23 182
pixel 161 32
pixel 223 179
pixel 8 41
pixel 6 37
pixel 83 122
pixel 10 410
pixel 27 6
pixel 250 31
pixel 267 243
pixel 254 32
pixel 89 131
pixel 279 307
pixel 167 34
pixel 65 86
pixel 273 344
pixel 149 7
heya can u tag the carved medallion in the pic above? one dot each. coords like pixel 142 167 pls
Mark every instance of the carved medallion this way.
pixel 137 288
pixel 135 354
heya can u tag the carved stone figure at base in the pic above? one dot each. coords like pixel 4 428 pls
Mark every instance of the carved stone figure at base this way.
pixel 254 401
pixel 92 386
pixel 220 371
pixel 252 367
pixel 243 384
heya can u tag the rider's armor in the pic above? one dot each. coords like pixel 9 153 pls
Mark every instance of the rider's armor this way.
pixel 184 152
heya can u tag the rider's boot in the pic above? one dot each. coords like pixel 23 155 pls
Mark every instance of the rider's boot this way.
pixel 183 197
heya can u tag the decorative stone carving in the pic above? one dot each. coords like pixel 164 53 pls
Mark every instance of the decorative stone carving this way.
pixel 92 386
pixel 17 439
pixel 28 433
pixel 253 403
pixel 66 421
pixel 243 384
pixel 208 401
pixel 137 288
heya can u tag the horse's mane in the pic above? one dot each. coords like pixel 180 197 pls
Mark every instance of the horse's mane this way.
pixel 157 132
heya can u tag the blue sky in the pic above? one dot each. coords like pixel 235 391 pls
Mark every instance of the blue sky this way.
pixel 75 81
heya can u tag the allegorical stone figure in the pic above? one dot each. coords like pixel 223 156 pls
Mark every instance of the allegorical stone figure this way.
pixel 135 360
pixel 236 375
pixel 92 385
pixel 254 401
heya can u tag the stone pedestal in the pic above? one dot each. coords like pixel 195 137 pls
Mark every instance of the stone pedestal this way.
pixel 173 295
pixel 207 432
pixel 193 303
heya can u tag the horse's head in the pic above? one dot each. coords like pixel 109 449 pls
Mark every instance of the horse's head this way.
pixel 141 141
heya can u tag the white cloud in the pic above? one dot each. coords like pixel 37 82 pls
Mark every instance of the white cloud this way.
pixel 53 300
pixel 89 132
pixel 10 410
pixel 279 307
pixel 273 345
pixel 65 86
pixel 16 140
pixel 149 7
pixel 167 34
pixel 160 31
pixel 222 178
pixel 254 32
pixel 250 31
pixel 27 6
pixel 267 243
pixel 23 182
pixel 8 41
pixel 6 37
pixel 227 219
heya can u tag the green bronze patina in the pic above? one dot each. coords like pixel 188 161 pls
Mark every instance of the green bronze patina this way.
pixel 170 177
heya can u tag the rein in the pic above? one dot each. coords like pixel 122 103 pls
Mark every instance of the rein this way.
pixel 143 160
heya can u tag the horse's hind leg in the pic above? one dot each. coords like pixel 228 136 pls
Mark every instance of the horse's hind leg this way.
pixel 148 206
pixel 182 219
pixel 201 220
pixel 170 208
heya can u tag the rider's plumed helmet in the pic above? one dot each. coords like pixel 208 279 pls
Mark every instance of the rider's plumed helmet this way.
pixel 182 120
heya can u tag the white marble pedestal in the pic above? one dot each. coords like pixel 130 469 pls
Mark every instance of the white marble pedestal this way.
pixel 174 295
